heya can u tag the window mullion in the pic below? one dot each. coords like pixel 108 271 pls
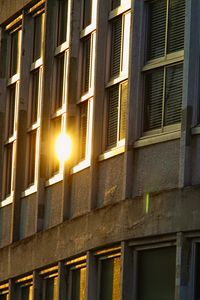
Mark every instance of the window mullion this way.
pixel 118 117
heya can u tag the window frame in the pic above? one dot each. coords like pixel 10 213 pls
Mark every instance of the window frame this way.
pixel 46 274
pixel 165 61
pixel 123 11
pixel 13 79
pixel 24 282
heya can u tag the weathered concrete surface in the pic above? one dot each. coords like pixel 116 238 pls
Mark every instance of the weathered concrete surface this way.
pixel 169 212
pixel 10 7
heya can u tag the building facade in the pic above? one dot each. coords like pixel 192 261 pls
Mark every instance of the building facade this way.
pixel 121 218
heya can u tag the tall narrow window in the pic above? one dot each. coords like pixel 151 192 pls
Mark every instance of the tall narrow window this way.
pixel 117 93
pixel 10 134
pixel 59 81
pixel 56 125
pixel 156 274
pixel 49 284
pixel 35 94
pixel 86 65
pixel 164 67
pixel 87 12
pixel 38 36
pixel 109 273
pixel 24 289
pixel 62 21
pixel 76 279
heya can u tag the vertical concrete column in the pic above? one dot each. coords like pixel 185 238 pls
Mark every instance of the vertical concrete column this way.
pixel 72 84
pixel 48 57
pixel 134 105
pixel 37 286
pixel 190 89
pixel 91 277
pixel 182 274
pixel 99 96
pixel 126 272
pixel 27 30
pixel 62 286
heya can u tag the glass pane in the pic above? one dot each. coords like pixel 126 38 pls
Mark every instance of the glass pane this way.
pixel 59 81
pixel 15 52
pixel 123 109
pixel 11 111
pixel 116 41
pixel 87 12
pixel 157 27
pixel 173 94
pixel 34 96
pixel 8 169
pixel 32 154
pixel 51 288
pixel 83 129
pixel 38 28
pixel 78 284
pixel 176 26
pixel 86 64
pixel 156 274
pixel 4 297
pixel 115 3
pixel 110 279
pixel 113 105
pixel 197 277
pixel 153 99
pixel 62 21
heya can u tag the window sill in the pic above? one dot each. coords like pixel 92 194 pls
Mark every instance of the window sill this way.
pixel 81 166
pixel 7 201
pixel 195 130
pixel 54 179
pixel 158 138
pixel 29 191
pixel 87 30
pixel 111 153
pixel 120 10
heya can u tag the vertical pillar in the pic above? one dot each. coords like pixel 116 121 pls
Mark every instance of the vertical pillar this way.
pixel 190 89
pixel 37 286
pixel 62 286
pixel 126 272
pixel 91 277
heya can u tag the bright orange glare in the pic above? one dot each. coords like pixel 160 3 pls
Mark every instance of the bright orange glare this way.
pixel 63 147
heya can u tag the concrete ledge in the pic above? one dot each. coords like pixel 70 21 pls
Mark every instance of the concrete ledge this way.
pixel 168 212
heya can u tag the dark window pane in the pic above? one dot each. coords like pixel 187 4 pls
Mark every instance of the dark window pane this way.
pixel 34 96
pixel 157 27
pixel 32 153
pixel 87 12
pixel 51 286
pixel 110 279
pixel 11 111
pixel 8 169
pixel 176 25
pixel 197 277
pixel 154 99
pixel 116 46
pixel 83 129
pixel 62 21
pixel 123 109
pixel 59 81
pixel 113 106
pixel 156 274
pixel 78 284
pixel 15 46
pixel 173 94
pixel 37 44
pixel 86 65
pixel 115 3
pixel 4 297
